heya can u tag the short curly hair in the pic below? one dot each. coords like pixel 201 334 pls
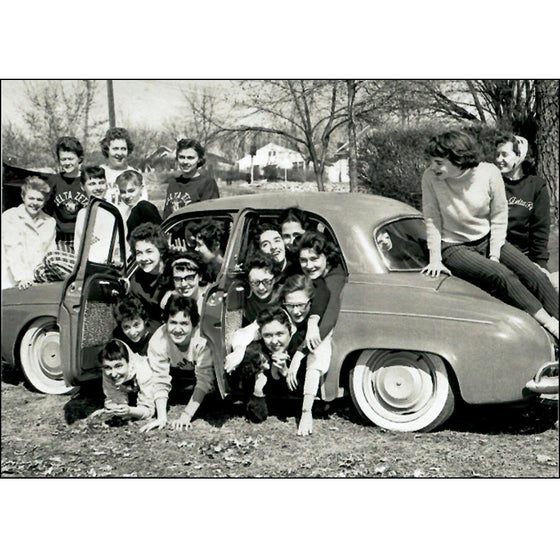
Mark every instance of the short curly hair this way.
pixel 69 143
pixel 186 143
pixel 258 260
pixel 113 134
pixel 318 242
pixel 295 283
pixel 274 313
pixel 150 232
pixel 130 308
pixel 35 183
pixel 458 147
pixel 177 303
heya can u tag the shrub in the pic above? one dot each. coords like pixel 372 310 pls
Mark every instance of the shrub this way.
pixel 391 161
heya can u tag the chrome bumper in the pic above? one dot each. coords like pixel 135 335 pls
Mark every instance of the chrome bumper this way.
pixel 545 380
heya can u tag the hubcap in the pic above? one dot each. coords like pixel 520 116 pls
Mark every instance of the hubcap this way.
pixel 48 354
pixel 402 387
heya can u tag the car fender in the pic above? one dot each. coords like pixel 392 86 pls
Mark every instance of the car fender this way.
pixel 492 348
pixel 20 308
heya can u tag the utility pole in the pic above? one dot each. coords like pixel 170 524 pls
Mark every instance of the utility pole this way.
pixel 111 103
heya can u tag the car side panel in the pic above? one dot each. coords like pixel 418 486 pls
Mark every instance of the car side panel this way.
pixel 485 343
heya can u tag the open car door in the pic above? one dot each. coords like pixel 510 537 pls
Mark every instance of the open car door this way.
pixel 85 316
pixel 222 312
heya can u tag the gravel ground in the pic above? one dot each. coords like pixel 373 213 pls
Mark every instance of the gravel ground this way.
pixel 55 436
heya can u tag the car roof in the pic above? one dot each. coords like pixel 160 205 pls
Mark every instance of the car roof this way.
pixel 353 218
pixel 374 209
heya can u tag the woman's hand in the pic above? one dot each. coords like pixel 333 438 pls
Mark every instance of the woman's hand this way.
pixel 260 382
pixel 434 269
pixel 183 422
pixel 312 337
pixel 280 362
pixel 291 376
pixel 233 360
pixel 157 423
pixel 25 284
pixel 494 259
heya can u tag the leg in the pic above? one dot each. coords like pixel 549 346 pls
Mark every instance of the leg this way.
pixel 531 276
pixel 493 277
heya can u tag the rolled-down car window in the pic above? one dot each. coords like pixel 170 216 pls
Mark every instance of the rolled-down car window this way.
pixel 403 244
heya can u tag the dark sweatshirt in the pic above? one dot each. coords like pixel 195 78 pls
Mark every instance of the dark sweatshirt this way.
pixel 529 217
pixel 183 191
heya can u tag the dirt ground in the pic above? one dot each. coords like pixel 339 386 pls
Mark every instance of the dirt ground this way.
pixel 56 436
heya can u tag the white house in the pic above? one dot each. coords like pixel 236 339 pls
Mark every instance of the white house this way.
pixel 272 154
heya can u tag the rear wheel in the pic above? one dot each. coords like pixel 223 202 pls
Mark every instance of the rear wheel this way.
pixel 39 356
pixel 404 391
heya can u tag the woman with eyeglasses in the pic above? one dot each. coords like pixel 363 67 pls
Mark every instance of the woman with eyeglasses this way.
pixel 261 279
pixel 187 272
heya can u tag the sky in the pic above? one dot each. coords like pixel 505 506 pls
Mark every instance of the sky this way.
pixel 148 102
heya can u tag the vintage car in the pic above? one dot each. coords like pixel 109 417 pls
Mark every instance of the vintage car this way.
pixel 405 346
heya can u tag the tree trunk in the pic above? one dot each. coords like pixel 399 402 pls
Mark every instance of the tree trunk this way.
pixel 319 178
pixel 548 139
pixel 352 147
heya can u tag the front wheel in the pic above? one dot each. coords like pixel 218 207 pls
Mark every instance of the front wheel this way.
pixel 404 391
pixel 39 356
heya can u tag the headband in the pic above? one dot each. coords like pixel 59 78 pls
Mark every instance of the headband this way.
pixel 189 264
pixel 523 145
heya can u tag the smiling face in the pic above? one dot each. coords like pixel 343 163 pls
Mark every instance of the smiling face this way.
pixel 261 282
pixel 179 327
pixel 148 257
pixel 275 336
pixel 188 159
pixel 297 304
pixel 186 282
pixel 506 158
pixel 117 154
pixel 134 329
pixel 312 264
pixel 117 370
pixel 444 168
pixel 95 187
pixel 291 231
pixel 69 162
pixel 130 194
pixel 270 242
pixel 34 201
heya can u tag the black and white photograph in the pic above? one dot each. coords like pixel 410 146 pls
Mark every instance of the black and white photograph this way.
pixel 280 278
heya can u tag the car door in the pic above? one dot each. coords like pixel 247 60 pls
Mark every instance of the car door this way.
pixel 223 307
pixel 85 315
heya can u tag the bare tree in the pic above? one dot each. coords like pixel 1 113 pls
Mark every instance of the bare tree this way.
pixel 548 139
pixel 306 113
pixel 57 109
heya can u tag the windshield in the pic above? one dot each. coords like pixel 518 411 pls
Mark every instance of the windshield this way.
pixel 403 244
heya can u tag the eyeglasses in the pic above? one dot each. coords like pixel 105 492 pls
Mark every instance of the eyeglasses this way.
pixel 264 282
pixel 189 278
pixel 300 307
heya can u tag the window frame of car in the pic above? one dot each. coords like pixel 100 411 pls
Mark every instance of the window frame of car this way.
pixel 379 228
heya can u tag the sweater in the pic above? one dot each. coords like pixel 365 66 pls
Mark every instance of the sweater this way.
pixel 143 212
pixel 529 217
pixel 25 242
pixel 163 355
pixel 183 191
pixel 149 289
pixel 66 199
pixel 140 378
pixel 326 299
pixel 465 209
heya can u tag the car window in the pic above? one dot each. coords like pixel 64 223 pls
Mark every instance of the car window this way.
pixel 403 244
pixel 104 244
